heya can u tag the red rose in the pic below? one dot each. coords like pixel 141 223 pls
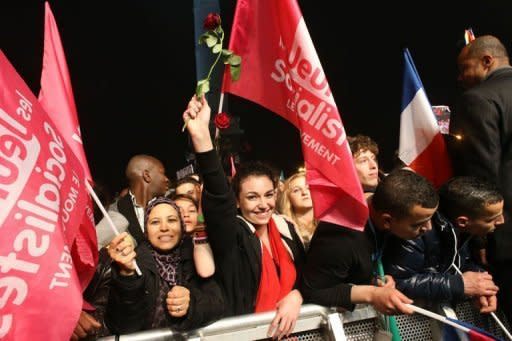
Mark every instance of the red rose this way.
pixel 211 22
pixel 222 120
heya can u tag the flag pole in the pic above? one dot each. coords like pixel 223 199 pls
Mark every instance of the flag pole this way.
pixel 109 220
pixel 438 317
pixel 498 321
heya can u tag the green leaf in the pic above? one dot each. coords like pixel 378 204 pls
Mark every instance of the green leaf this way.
pixel 219 30
pixel 217 48
pixel 226 53
pixel 211 40
pixel 203 86
pixel 234 60
pixel 235 72
pixel 203 37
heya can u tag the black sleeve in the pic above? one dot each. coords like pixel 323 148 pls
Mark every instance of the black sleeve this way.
pixel 128 306
pixel 478 152
pixel 218 204
pixel 326 273
pixel 98 290
pixel 404 260
pixel 206 304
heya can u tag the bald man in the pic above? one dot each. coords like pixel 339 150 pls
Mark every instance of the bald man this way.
pixel 146 180
pixel 483 118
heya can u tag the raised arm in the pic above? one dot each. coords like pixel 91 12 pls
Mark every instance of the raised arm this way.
pixel 218 200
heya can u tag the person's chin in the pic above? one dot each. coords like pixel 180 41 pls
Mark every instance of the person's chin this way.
pixel 260 220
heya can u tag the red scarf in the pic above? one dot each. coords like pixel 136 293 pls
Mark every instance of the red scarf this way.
pixel 277 274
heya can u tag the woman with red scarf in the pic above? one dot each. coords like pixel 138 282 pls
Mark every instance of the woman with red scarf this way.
pixel 258 255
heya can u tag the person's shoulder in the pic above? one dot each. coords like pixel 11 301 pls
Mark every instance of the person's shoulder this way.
pixel 333 234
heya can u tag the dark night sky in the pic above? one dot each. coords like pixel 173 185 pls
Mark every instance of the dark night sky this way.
pixel 133 70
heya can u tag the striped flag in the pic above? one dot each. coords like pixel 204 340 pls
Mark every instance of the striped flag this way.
pixel 422 147
pixel 469 35
pixel 469 332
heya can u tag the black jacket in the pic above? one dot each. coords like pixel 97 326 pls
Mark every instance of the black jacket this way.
pixel 133 299
pixel 483 117
pixel 338 258
pixel 236 248
pixel 125 207
pixel 422 267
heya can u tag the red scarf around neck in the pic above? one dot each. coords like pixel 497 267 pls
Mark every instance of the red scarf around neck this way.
pixel 277 273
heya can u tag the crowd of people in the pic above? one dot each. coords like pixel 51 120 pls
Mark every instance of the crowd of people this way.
pixel 213 246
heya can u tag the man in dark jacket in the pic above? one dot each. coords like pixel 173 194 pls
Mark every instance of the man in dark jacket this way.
pixel 437 266
pixel 483 120
pixel 341 265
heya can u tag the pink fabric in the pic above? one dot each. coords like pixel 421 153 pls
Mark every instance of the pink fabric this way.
pixel 56 94
pixel 56 97
pixel 281 71
pixel 42 201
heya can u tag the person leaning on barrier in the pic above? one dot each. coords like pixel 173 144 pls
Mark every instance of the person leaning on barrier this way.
pixel 342 264
pixel 428 267
pixel 258 255
pixel 169 293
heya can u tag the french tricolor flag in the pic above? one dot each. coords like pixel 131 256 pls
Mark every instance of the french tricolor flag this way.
pixel 422 146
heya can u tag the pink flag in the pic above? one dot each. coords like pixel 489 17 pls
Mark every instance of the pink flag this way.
pixel 42 199
pixel 56 97
pixel 281 71
pixel 422 146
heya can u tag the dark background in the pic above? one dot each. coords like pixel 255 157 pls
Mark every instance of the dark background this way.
pixel 132 68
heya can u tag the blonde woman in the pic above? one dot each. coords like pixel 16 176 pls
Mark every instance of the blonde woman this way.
pixel 296 204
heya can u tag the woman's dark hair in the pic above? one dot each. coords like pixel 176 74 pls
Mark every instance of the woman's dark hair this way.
pixel 253 168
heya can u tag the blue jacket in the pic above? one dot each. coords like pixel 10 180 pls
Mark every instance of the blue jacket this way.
pixel 422 268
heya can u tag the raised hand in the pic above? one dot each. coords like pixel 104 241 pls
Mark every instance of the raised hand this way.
pixel 197 118
pixel 121 250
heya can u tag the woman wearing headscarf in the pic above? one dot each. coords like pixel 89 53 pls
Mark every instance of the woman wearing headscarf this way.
pixel 258 256
pixel 169 293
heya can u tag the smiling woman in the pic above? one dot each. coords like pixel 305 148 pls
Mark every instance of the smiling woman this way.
pixel 259 255
pixel 169 292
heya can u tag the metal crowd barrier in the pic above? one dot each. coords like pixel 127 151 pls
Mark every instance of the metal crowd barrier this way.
pixel 319 323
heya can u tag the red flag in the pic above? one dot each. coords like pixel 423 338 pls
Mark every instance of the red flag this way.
pixel 281 71
pixel 41 199
pixel 56 97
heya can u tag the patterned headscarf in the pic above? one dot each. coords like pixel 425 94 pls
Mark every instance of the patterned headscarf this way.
pixel 166 263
